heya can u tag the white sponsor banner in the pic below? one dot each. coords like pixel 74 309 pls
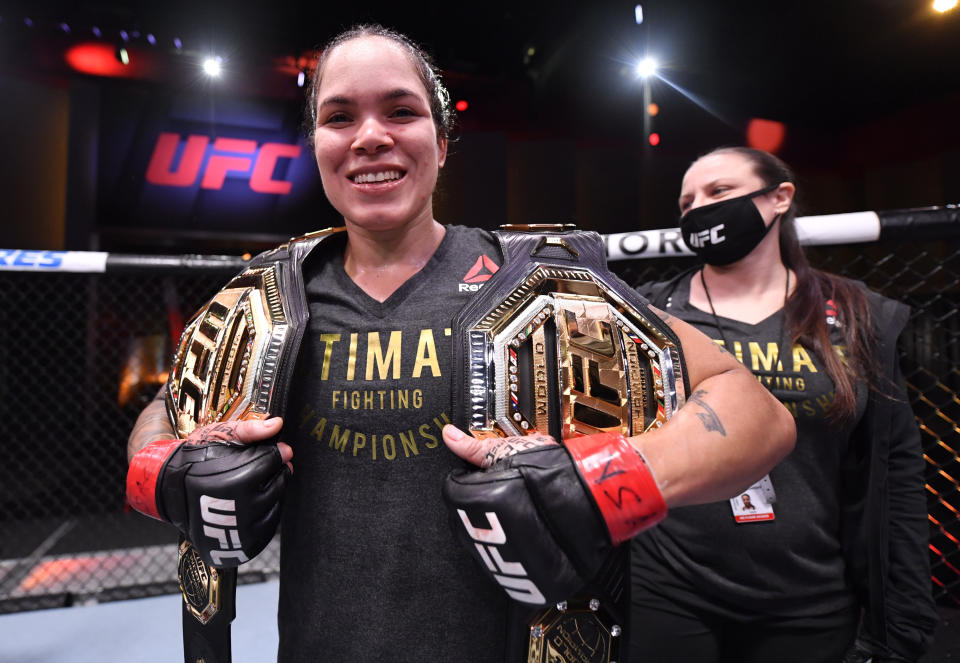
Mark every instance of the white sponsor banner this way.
pixel 851 228
pixel 24 260
pixel 662 243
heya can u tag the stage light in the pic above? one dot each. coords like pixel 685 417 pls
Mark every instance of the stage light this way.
pixel 653 109
pixel 646 67
pixel 151 39
pixel 65 28
pixel 301 78
pixel 123 56
pixel 124 36
pixel 28 22
pixel 462 105
pixel 96 32
pixel 654 139
pixel 638 14
pixel 177 44
pixel 213 66
pixel 944 6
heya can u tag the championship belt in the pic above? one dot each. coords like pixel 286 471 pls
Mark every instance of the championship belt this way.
pixel 234 361
pixel 556 343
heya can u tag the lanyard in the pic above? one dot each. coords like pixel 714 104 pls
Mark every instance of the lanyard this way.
pixel 716 319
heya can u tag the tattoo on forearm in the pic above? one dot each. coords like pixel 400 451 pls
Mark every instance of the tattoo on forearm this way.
pixel 511 445
pixel 151 425
pixel 708 417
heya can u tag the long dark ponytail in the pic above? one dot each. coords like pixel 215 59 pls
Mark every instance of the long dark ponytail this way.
pixel 806 307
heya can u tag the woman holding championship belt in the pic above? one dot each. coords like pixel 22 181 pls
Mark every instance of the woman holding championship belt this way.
pixel 371 569
pixel 834 538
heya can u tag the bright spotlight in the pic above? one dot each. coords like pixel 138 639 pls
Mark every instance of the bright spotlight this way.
pixel 646 67
pixel 212 66
pixel 943 6
pixel 638 14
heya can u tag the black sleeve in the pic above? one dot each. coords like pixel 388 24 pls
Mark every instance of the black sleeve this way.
pixel 902 606
pixel 911 616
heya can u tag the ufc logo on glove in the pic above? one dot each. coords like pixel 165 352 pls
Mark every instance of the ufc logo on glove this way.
pixel 556 344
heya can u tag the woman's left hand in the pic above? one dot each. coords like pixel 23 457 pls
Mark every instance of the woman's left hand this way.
pixel 486 452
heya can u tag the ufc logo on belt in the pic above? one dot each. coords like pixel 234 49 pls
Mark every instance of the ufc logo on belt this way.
pixel 511 575
pixel 220 523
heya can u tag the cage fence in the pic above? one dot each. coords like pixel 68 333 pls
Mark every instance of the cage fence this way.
pixel 83 353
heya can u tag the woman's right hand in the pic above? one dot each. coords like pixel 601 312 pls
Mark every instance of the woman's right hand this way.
pixel 221 486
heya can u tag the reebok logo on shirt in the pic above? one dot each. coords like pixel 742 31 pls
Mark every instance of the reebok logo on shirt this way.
pixel 481 271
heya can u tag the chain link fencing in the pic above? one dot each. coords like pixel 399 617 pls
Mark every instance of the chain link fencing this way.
pixel 83 353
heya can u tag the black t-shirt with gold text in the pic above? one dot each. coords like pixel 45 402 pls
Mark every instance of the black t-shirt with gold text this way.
pixel 370 570
pixel 791 566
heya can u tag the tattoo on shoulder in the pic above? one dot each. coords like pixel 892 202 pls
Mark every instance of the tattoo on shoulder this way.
pixel 708 417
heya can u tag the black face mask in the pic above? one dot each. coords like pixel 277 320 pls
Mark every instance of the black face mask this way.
pixel 724 232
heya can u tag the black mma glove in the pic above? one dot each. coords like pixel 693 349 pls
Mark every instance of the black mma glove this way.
pixel 542 522
pixel 223 496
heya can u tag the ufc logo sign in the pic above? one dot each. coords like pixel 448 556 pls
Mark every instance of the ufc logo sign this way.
pixel 220 523
pixel 709 236
pixel 511 575
pixel 243 154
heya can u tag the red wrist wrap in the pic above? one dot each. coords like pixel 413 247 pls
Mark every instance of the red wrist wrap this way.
pixel 621 483
pixel 143 473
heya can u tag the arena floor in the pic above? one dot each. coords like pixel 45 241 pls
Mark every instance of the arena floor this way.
pixel 140 630
pixel 148 631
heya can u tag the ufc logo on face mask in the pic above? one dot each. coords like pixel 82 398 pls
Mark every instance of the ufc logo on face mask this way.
pixel 220 523
pixel 709 236
pixel 511 575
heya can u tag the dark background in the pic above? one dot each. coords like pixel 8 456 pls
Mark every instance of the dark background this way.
pixel 868 91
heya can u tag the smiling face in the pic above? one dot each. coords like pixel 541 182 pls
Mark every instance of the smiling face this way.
pixel 376 143
pixel 723 175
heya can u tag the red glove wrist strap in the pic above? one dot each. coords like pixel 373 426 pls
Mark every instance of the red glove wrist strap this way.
pixel 143 473
pixel 621 483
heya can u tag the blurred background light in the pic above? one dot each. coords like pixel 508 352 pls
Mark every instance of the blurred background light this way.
pixel 767 135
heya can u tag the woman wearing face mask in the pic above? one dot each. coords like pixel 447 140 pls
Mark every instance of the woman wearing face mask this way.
pixel 371 569
pixel 831 564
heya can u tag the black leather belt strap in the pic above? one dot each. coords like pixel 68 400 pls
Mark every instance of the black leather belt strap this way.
pixel 206 642
pixel 274 278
